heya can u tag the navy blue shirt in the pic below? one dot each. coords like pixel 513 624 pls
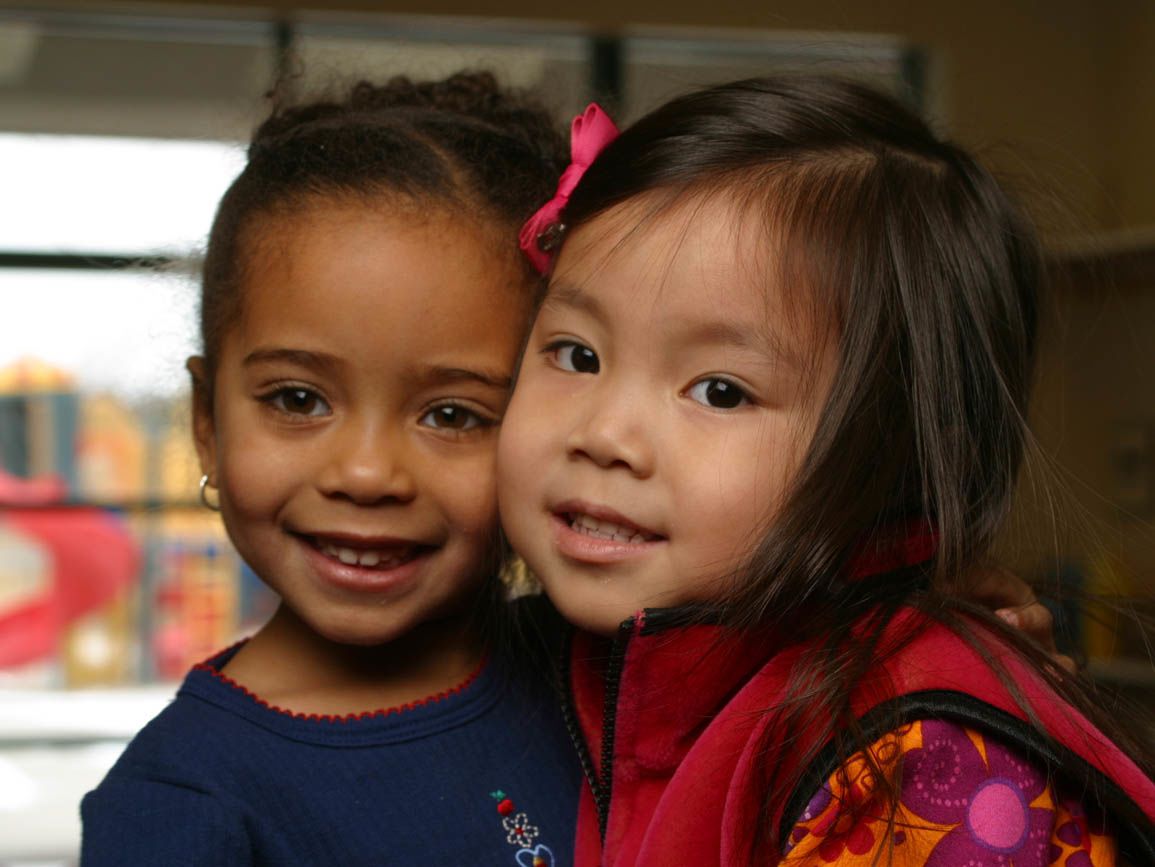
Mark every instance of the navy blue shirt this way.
pixel 483 775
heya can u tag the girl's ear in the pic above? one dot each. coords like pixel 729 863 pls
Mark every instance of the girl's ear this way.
pixel 204 430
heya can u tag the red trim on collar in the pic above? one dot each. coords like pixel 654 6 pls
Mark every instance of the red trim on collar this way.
pixel 207 666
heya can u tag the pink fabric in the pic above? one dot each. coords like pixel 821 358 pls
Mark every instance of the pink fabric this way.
pixel 911 543
pixel 590 132
pixel 688 751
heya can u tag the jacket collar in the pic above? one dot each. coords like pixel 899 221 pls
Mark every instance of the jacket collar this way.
pixel 644 697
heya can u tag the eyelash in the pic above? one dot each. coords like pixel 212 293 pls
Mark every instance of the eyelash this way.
pixel 743 396
pixel 276 396
pixel 554 349
pixel 477 420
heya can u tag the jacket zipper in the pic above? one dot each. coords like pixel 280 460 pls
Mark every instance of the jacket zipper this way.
pixel 602 787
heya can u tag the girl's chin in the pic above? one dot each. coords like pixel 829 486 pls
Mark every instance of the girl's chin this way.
pixel 594 616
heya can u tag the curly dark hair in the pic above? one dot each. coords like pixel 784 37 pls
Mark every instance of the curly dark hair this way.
pixel 463 144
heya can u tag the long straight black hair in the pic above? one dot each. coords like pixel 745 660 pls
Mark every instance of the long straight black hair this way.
pixel 928 271
pixel 930 277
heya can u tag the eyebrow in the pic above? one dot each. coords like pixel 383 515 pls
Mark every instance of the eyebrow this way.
pixel 429 375
pixel 718 331
pixel 439 375
pixel 301 357
pixel 569 295
pixel 762 342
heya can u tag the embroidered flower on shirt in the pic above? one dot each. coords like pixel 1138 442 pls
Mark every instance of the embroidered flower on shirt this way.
pixel 521 833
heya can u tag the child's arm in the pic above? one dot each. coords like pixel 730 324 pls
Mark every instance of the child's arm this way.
pixel 962 799
pixel 1014 600
pixel 134 823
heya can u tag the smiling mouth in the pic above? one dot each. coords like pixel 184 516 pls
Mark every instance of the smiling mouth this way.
pixel 610 531
pixel 367 556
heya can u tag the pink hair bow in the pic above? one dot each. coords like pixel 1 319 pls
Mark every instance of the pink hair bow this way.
pixel 589 134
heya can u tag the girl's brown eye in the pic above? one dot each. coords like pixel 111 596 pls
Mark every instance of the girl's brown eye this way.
pixel 299 401
pixel 718 394
pixel 574 358
pixel 452 417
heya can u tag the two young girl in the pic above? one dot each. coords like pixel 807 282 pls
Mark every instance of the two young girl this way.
pixel 785 429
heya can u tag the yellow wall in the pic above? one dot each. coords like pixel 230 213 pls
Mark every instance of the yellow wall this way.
pixel 1099 383
pixel 1131 93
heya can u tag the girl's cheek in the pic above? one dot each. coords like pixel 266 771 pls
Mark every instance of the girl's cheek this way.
pixel 471 492
pixel 736 508
pixel 516 439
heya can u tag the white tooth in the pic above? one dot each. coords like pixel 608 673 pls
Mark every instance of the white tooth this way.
pixel 331 550
pixel 591 526
pixel 369 558
pixel 347 556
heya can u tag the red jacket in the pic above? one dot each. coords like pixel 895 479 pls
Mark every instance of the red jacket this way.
pixel 671 718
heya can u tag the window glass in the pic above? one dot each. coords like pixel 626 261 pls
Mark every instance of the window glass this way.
pixel 134 580
pixel 77 325
pixel 96 194
pixel 97 72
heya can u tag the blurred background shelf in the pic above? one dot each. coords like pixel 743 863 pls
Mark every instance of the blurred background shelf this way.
pixel 1121 259
pixel 1123 673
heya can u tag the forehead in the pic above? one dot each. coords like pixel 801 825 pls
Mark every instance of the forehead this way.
pixel 703 258
pixel 381 291
pixel 385 264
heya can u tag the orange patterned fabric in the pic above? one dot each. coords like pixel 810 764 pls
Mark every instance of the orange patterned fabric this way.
pixel 964 799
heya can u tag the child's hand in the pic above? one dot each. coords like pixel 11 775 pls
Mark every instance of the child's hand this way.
pixel 1015 602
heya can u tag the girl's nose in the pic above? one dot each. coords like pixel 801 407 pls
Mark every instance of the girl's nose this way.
pixel 368 466
pixel 612 432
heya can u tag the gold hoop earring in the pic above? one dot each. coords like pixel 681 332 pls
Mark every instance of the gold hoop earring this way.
pixel 204 496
